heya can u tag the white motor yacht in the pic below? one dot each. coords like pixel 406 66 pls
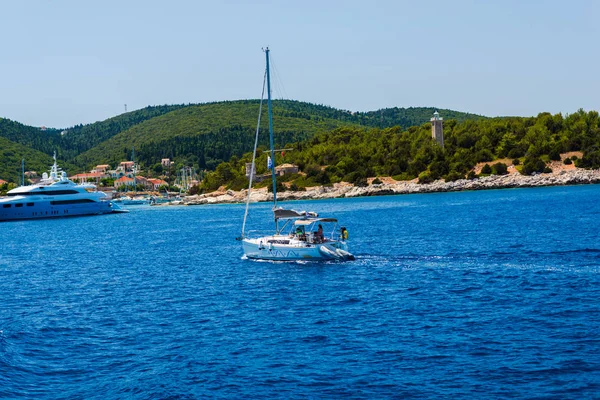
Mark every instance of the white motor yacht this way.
pixel 54 196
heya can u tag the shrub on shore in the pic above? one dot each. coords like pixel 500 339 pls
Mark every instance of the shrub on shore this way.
pixel 453 176
pixel 486 170
pixel 425 177
pixel 500 169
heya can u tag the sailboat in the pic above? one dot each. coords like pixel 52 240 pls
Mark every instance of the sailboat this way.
pixel 295 237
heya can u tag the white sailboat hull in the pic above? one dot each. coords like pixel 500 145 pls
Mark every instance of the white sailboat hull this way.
pixel 275 248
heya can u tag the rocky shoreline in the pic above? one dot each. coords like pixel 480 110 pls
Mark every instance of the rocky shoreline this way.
pixel 513 180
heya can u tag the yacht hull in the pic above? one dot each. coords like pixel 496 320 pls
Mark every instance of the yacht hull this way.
pixel 44 209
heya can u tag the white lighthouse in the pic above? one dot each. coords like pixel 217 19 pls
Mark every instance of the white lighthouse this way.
pixel 437 129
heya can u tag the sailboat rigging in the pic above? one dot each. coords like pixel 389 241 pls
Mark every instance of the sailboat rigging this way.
pixel 302 241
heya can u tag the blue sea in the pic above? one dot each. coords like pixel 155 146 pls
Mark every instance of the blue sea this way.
pixel 489 294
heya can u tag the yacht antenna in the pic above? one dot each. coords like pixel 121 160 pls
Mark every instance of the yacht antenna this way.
pixel 23 172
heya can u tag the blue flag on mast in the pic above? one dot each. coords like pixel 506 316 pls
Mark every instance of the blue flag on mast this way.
pixel 269 162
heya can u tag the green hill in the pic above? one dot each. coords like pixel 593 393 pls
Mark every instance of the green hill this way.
pixel 12 153
pixel 201 135
pixel 45 141
pixel 205 135
pixel 383 118
pixel 412 116
pixel 81 138
pixel 70 142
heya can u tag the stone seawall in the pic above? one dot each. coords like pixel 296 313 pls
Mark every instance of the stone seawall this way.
pixel 514 180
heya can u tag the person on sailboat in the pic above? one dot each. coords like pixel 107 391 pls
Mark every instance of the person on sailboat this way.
pixel 319 235
pixel 344 233
pixel 300 233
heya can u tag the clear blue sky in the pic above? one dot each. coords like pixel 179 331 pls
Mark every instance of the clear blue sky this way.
pixel 70 62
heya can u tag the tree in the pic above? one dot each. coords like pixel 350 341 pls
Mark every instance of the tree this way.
pixel 499 169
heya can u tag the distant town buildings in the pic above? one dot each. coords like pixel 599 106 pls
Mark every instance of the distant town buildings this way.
pixel 3 182
pixel 165 162
pixel 437 129
pixel 86 177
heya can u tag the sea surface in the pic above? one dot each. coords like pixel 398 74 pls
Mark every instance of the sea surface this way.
pixel 490 294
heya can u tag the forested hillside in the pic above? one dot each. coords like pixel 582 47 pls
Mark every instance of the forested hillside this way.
pixel 384 118
pixel 45 141
pixel 70 142
pixel 205 135
pixel 352 154
pixel 12 153
pixel 200 135
pixel 81 138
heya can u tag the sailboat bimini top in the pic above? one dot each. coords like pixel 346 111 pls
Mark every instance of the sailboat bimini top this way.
pixel 310 221
pixel 282 213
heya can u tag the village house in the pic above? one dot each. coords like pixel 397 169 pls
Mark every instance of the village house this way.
pixel 165 162
pixel 32 177
pixel 101 168
pixel 124 181
pixel 139 180
pixel 156 183
pixel 3 182
pixel 85 177
pixel 126 166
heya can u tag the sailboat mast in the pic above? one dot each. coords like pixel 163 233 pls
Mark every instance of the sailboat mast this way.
pixel 274 178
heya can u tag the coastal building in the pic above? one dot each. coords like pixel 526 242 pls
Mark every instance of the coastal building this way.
pixel 156 183
pixel 437 129
pixel 124 181
pixel 140 180
pixel 286 169
pixel 3 182
pixel 165 162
